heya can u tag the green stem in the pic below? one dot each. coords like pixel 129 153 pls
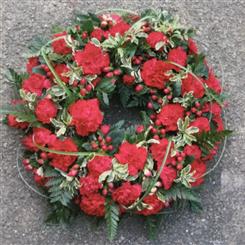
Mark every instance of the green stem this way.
pixel 116 10
pixel 67 153
pixel 153 182
pixel 57 78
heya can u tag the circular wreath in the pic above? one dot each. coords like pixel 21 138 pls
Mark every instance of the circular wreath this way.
pixel 147 61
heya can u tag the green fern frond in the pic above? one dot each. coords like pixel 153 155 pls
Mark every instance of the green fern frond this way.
pixel 112 219
pixel 153 222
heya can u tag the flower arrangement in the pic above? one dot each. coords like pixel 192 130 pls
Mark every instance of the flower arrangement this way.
pixel 150 62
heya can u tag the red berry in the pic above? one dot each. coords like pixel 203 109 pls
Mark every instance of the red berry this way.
pixel 75 83
pixel 199 113
pixel 89 87
pixel 179 159
pixel 104 148
pixel 40 161
pixel 173 162
pixel 152 116
pixel 83 91
pixel 154 97
pixel 100 138
pixel 152 91
pixel 105 129
pixel 147 173
pixel 110 147
pixel 28 167
pixel 154 130
pixel 83 81
pixel 179 166
pixel 159 101
pixel 84 35
pixel 49 74
pixel 158 122
pixel 107 69
pixel 137 62
pixel 183 154
pixel 111 185
pixel 149 105
pixel 188 113
pixel 72 173
pixel 108 139
pixel 166 90
pixel 193 109
pixel 140 129
pixel 104 192
pixel 103 24
pixel 26 161
pixel 43 155
pixel 163 131
pixel 139 88
pixel 197 104
pixel 109 74
pixel 117 72
pixel 156 137
pixel 169 97
pixel 94 145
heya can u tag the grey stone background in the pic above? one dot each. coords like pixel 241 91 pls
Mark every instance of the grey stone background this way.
pixel 221 28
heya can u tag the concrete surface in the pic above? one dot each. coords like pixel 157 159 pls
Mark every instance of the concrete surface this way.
pixel 221 29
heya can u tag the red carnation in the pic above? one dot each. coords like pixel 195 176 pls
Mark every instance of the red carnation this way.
pixel 60 46
pixel 189 84
pixel 156 37
pixel 219 123
pixel 45 110
pixel 89 184
pixel 32 62
pixel 202 123
pixel 92 59
pixel 40 180
pixel 192 46
pixel 127 193
pixel 179 56
pixel 86 116
pixel 120 27
pixel 168 175
pixel 62 162
pixel 12 122
pixel 98 165
pixel 213 82
pixel 128 79
pixel 214 108
pixel 41 136
pixel 158 151
pixel 155 205
pixel 154 73
pixel 132 155
pixel 93 204
pixel 61 70
pixel 97 33
pixel 169 116
pixel 198 168
pixel 36 83
pixel 193 150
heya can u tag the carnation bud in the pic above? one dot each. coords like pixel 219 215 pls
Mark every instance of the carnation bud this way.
pixel 105 129
pixel 117 72
pixel 83 91
pixel 26 161
pixel 179 166
pixel 109 74
pixel 108 139
pixel 89 87
pixel 76 166
pixel 111 185
pixel 139 88
pixel 149 105
pixel 107 69
pixel 43 155
pixel 158 184
pixel 139 129
pixel 40 161
pixel 147 172
pixel 48 96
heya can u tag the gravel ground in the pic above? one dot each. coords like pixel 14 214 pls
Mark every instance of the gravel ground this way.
pixel 221 28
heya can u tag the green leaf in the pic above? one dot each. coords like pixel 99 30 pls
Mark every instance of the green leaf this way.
pixel 112 219
pixel 153 223
pixel 36 45
pixel 198 66
pixel 207 140
pixel 16 78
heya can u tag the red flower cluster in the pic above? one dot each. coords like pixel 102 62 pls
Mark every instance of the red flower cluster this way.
pixel 156 37
pixel 92 59
pixel 62 162
pixel 86 116
pixel 98 165
pixel 169 119
pixel 36 83
pixel 179 56
pixel 154 73
pixel 45 110
pixel 60 46
pixel 132 155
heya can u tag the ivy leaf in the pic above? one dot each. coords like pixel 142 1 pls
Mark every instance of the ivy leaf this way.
pixel 112 218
